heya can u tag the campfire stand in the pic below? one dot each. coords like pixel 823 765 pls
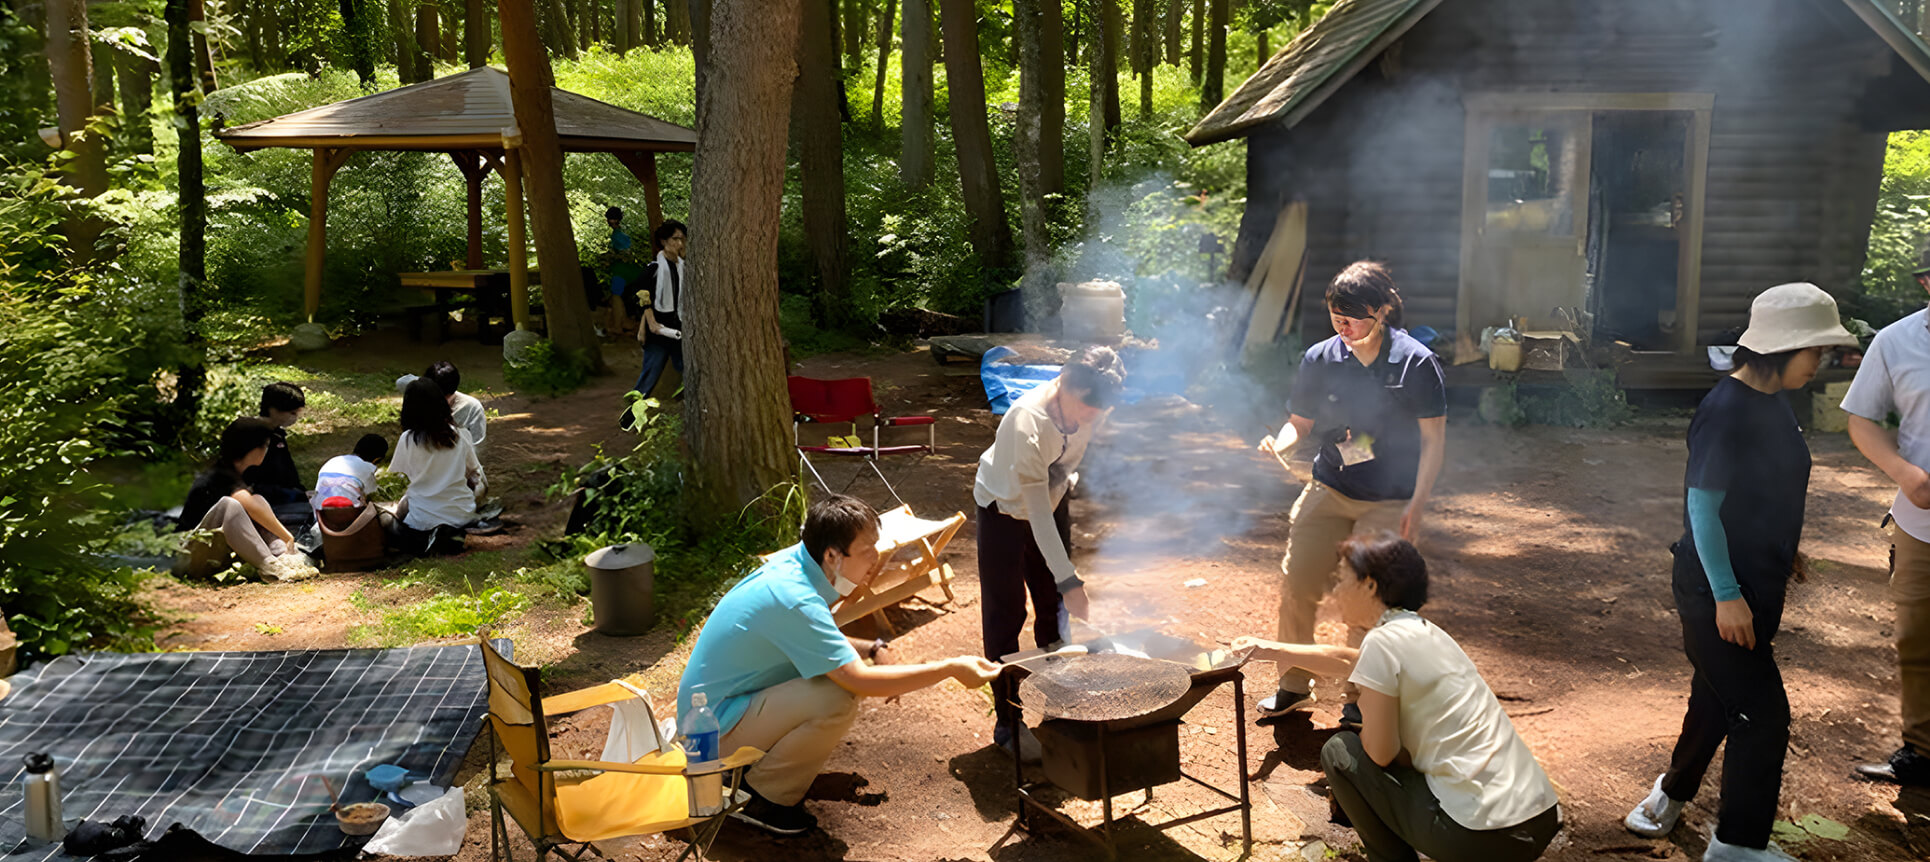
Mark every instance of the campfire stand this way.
pixel 1081 754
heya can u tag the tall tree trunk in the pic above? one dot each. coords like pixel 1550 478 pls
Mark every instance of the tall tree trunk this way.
pixel 1175 10
pixel 451 38
pixel 193 202
pixel 402 33
pixel 596 23
pixel 818 136
pixel 1213 89
pixel 1073 34
pixel 991 234
pixel 137 99
pixel 70 61
pixel 564 38
pixel 620 37
pixel 1110 38
pixel 427 38
pixel 915 92
pixel 251 13
pixel 476 39
pixel 271 37
pixel 854 32
pixel 103 86
pixel 736 413
pixel 697 33
pixel 676 21
pixel 1041 130
pixel 541 154
pixel 584 18
pixel 359 29
pixel 1261 46
pixel 1145 48
pixel 652 35
pixel 1199 39
pixel 1105 88
pixel 203 55
pixel 885 21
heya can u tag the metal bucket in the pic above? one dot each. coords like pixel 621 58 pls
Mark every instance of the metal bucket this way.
pixel 621 582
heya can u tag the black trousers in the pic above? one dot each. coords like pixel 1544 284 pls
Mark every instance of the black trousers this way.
pixel 1009 567
pixel 1737 694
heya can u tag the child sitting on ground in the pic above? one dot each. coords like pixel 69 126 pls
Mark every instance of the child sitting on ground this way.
pixel 345 481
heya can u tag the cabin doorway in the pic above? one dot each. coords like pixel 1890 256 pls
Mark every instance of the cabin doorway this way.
pixel 1583 212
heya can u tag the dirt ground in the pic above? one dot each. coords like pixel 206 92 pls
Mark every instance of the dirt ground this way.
pixel 1548 547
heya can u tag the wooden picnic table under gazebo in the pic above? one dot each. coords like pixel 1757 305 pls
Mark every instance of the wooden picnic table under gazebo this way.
pixel 470 117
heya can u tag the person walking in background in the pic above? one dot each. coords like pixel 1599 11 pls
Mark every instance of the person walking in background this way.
pixel 1743 500
pixel 1372 403
pixel 1895 379
pixel 662 330
pixel 1025 519
pixel 1437 767
pixel 622 274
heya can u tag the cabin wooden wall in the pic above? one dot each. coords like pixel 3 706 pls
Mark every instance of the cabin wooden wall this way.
pixel 1792 176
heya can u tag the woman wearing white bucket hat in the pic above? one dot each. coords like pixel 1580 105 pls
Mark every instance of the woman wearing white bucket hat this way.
pixel 1747 478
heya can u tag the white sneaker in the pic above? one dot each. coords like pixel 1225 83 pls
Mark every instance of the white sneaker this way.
pixel 1282 702
pixel 277 547
pixel 289 567
pixel 1655 816
pixel 1720 852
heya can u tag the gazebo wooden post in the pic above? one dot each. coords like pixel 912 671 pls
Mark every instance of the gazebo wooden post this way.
pixel 518 260
pixel 643 165
pixel 473 168
pixel 327 162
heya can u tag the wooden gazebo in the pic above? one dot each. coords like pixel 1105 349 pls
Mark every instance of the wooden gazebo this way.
pixel 468 116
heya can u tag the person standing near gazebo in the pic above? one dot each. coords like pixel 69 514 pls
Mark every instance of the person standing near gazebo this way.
pixel 662 331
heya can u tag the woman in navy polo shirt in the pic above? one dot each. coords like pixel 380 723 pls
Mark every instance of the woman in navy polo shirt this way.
pixel 1372 403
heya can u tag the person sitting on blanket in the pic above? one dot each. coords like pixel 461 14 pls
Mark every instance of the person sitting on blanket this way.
pixel 275 477
pixel 1437 766
pixel 468 411
pixel 782 678
pixel 445 478
pixel 243 523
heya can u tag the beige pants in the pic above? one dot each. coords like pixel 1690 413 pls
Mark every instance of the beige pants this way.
pixel 235 534
pixel 1910 589
pixel 1321 519
pixel 797 724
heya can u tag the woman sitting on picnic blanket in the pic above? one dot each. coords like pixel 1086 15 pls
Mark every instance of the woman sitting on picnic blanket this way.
pixel 243 524
pixel 1437 766
pixel 445 477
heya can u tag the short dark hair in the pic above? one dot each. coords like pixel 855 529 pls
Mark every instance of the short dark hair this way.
pixel 243 436
pixel 667 230
pixel 1768 364
pixel 1399 572
pixel 371 448
pixel 282 395
pixel 835 522
pixel 445 375
pixel 1362 288
pixel 1097 374
pixel 613 214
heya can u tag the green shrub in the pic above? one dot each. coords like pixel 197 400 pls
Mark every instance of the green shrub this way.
pixel 547 370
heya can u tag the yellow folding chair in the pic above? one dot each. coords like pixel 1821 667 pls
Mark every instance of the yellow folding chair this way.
pixel 576 802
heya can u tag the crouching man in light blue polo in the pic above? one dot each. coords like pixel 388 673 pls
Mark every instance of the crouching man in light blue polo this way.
pixel 782 678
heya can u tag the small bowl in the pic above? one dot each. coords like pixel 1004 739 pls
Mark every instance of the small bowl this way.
pixel 361 818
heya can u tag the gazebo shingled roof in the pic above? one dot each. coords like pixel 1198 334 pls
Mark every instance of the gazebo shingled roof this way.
pixel 469 116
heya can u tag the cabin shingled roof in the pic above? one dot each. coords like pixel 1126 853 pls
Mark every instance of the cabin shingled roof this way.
pixel 1329 53
pixel 465 110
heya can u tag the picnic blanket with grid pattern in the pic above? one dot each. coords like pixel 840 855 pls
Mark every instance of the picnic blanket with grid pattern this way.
pixel 233 744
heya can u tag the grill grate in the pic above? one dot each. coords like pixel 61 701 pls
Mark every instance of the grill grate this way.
pixel 1102 686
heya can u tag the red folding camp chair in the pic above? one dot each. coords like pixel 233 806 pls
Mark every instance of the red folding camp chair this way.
pixel 828 402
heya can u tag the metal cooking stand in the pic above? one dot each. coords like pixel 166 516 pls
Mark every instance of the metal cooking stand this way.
pixel 1243 803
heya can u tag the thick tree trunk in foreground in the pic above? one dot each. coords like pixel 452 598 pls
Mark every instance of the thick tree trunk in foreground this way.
pixel 475 34
pixel 1213 88
pixel 819 138
pixel 991 234
pixel 915 85
pixel 542 162
pixel 70 60
pixel 884 57
pixel 193 201
pixel 736 413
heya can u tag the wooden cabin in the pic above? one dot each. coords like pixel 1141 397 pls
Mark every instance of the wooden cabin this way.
pixel 1653 164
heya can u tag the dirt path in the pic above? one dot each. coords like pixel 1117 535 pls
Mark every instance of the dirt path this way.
pixel 1549 548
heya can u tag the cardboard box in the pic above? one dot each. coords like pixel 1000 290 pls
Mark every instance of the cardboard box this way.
pixel 1548 350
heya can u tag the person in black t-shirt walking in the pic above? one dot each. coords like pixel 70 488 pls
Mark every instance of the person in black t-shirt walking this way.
pixel 1371 400
pixel 1743 497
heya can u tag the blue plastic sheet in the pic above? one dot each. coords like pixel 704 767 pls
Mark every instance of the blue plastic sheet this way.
pixel 1006 382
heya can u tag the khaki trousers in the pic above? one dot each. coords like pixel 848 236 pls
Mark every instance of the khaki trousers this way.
pixel 235 534
pixel 1321 519
pixel 797 724
pixel 1910 589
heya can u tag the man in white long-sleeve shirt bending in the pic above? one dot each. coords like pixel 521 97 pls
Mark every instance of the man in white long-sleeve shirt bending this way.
pixel 1024 524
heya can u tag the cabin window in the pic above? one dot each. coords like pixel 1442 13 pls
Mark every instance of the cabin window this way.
pixel 1530 178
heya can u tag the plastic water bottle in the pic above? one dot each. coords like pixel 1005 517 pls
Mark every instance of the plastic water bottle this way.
pixel 42 783
pixel 700 731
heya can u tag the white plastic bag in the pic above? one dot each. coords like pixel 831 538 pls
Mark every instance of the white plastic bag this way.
pixel 433 828
pixel 632 732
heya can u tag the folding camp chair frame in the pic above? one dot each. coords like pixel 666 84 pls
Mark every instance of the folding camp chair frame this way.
pixel 879 421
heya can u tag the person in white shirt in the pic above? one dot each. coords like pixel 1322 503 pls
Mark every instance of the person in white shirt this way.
pixel 345 480
pixel 1437 766
pixel 468 411
pixel 445 478
pixel 1024 520
pixel 662 332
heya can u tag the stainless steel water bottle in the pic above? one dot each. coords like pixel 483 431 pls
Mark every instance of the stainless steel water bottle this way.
pixel 43 798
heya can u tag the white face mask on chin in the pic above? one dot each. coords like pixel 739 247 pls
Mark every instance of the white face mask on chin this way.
pixel 844 586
